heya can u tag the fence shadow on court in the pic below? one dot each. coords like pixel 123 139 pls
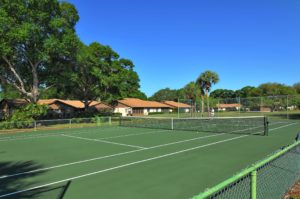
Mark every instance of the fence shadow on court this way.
pixel 16 184
pixel 285 116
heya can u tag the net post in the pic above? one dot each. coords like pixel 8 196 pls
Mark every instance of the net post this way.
pixel 64 190
pixel 253 184
pixel 266 126
pixel 34 125
pixel 172 123
pixel 109 120
pixel 70 123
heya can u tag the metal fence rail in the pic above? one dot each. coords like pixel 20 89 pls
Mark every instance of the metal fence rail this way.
pixel 270 178
pixel 56 123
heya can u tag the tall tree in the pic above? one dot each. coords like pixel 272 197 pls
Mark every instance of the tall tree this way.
pixel 249 91
pixel 205 82
pixel 37 39
pixel 272 89
pixel 191 92
pixel 99 73
pixel 165 94
pixel 297 87
pixel 223 93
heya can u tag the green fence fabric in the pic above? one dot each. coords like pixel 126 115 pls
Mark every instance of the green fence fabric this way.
pixel 274 176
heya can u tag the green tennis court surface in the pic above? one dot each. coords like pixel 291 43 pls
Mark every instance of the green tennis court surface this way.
pixel 126 162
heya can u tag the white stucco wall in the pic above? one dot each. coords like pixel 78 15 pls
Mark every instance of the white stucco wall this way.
pixel 123 110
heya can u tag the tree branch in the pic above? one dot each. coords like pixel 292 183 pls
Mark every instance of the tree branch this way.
pixel 3 79
pixel 17 76
pixel 48 87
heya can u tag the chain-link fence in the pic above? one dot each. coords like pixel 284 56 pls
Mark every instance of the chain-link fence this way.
pixel 56 124
pixel 280 107
pixel 268 179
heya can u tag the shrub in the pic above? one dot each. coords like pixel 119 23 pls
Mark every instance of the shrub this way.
pixel 25 116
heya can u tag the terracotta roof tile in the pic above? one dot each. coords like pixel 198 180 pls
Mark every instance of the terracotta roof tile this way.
pixel 74 103
pixel 138 103
pixel 176 104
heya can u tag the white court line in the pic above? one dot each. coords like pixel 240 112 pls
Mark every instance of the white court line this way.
pixel 123 165
pixel 133 134
pixel 118 154
pixel 107 156
pixel 25 137
pixel 103 141
pixel 42 135
pixel 284 126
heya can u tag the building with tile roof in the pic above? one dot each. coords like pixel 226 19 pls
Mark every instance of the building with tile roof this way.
pixel 135 106
pixel 228 107
pixel 57 108
pixel 178 105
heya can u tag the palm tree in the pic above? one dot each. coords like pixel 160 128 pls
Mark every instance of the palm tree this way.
pixel 205 82
pixel 202 93
pixel 190 93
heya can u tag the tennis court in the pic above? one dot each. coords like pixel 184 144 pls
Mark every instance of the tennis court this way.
pixel 134 160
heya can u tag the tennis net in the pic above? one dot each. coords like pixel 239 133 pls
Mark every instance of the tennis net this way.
pixel 237 125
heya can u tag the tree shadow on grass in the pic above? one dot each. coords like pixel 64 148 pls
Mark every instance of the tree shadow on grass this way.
pixel 13 186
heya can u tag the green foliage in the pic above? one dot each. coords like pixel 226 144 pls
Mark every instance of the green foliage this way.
pixel 192 91
pixel 249 91
pixel 37 40
pixel 25 116
pixel 29 112
pixel 137 94
pixel 166 94
pixel 100 73
pixel 207 79
pixel 8 92
pixel 204 83
pixel 296 86
pixel 223 93
pixel 272 89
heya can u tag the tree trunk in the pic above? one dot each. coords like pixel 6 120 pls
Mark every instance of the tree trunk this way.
pixel 18 83
pixel 207 100
pixel 202 105
pixel 35 84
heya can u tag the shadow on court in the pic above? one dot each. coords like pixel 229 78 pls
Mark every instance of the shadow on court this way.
pixel 15 185
pixel 285 116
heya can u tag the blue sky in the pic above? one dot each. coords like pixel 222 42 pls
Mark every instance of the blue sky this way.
pixel 247 42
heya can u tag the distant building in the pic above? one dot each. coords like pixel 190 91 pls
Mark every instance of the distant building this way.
pixel 178 105
pixel 7 106
pixel 228 107
pixel 134 106
pixel 265 109
pixel 57 108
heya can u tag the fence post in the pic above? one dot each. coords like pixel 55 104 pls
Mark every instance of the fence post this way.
pixel 98 121
pixel 253 184
pixel 287 107
pixel 70 123
pixel 240 106
pixel 178 108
